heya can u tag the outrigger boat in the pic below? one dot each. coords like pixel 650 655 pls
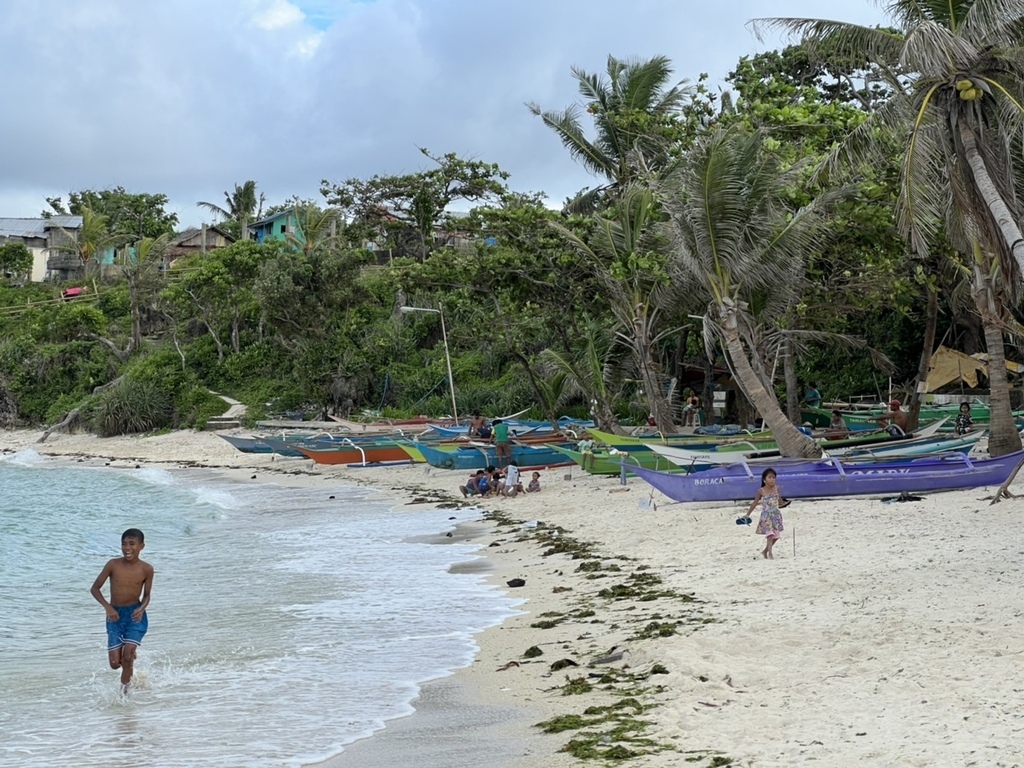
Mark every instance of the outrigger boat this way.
pixel 921 443
pixel 835 477
pixel 481 455
pixel 609 462
pixel 699 460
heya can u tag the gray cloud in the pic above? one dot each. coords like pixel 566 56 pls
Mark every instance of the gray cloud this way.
pixel 187 97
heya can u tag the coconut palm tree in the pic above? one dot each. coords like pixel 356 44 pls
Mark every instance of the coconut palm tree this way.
pixel 593 372
pixel 91 240
pixel 737 243
pixel 957 71
pixel 318 228
pixel 624 255
pixel 637 118
pixel 958 75
pixel 242 206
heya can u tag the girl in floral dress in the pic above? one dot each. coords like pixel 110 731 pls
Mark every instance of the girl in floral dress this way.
pixel 770 524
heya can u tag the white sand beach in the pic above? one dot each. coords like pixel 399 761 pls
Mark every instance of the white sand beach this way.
pixel 884 635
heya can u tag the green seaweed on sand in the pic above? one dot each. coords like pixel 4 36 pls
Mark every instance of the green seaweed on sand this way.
pixel 717 761
pixel 657 629
pixel 593 566
pixel 574 686
pixel 546 624
pixel 532 652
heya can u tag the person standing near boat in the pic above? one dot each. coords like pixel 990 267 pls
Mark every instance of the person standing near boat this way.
pixel 813 396
pixel 502 444
pixel 770 524
pixel 964 423
pixel 690 410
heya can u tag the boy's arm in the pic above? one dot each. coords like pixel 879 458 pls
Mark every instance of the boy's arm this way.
pixel 147 587
pixel 97 591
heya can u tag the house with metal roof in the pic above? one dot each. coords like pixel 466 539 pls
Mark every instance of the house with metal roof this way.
pixel 40 236
pixel 197 240
pixel 282 226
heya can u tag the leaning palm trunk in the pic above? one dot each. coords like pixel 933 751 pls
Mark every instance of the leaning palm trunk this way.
pixel 1003 435
pixel 792 385
pixel 989 192
pixel 924 366
pixel 791 441
pixel 650 370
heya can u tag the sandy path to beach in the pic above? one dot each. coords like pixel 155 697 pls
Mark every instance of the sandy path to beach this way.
pixel 894 636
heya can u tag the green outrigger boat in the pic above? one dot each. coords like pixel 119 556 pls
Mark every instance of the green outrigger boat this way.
pixel 638 443
pixel 607 459
pixel 863 419
pixel 603 462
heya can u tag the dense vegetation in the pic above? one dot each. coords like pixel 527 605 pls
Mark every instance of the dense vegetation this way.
pixel 784 232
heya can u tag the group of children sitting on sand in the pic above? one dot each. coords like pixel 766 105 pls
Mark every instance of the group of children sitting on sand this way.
pixel 491 482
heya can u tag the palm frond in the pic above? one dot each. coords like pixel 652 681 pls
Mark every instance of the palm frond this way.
pixel 853 40
pixel 993 21
pixel 567 125
pixel 215 209
pixel 932 48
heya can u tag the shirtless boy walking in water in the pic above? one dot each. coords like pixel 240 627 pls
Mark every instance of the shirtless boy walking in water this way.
pixel 131 581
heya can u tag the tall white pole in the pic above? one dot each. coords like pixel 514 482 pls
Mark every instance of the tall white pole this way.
pixel 448 362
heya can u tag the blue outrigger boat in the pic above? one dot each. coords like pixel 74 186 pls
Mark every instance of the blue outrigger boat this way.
pixel 481 455
pixel 247 444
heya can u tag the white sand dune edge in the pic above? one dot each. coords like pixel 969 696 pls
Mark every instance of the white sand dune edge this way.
pixel 893 637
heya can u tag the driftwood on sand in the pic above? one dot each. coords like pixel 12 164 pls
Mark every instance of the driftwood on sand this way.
pixel 74 413
pixel 70 419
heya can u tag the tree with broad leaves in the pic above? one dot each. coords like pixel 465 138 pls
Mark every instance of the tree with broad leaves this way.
pixel 217 290
pixel 409 213
pixel 15 261
pixel 129 216
pixel 623 251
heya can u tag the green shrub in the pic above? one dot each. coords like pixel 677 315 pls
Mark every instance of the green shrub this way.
pixel 130 407
pixel 196 406
pixel 61 406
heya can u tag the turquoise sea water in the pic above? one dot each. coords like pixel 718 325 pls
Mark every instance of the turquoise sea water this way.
pixel 283 624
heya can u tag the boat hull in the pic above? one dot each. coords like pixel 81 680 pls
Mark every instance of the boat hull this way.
pixel 370 454
pixel 247 444
pixel 480 456
pixel 604 463
pixel 832 477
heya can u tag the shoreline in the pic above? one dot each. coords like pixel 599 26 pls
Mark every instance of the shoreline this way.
pixel 884 634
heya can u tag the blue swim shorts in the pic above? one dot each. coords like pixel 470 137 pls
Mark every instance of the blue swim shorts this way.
pixel 124 630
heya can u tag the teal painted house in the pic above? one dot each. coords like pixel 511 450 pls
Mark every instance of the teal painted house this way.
pixel 277 227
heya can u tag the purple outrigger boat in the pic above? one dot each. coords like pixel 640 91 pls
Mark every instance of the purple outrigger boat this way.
pixel 834 477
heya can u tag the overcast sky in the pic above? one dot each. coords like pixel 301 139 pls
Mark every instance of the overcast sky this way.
pixel 188 97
